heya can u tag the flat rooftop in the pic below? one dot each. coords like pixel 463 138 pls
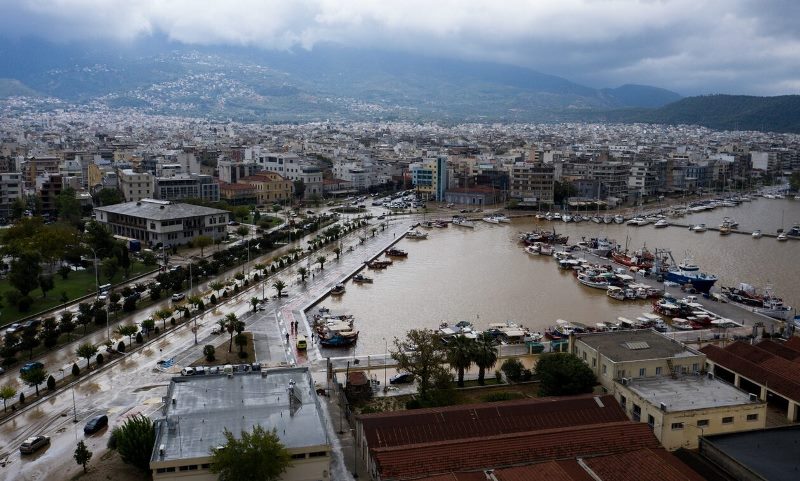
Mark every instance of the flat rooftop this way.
pixel 637 345
pixel 205 405
pixel 687 393
pixel 160 210
pixel 773 454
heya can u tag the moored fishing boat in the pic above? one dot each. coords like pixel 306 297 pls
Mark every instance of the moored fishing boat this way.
pixel 362 279
pixel 689 273
pixel 338 290
pixel 396 253
pixel 415 234
pixel 767 303
pixel 463 222
pixel 379 264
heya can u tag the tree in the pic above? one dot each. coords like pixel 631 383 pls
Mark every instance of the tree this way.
pixel 124 259
pixel 279 286
pixel 49 333
pixel 216 286
pixel 242 231
pixel 99 238
pixel 46 284
pixel 485 355
pixel 109 197
pixel 303 273
pixel 321 261
pixel 149 259
pixel 134 441
pixel 66 325
pixel 512 368
pixel 563 374
pixel 230 325
pixel 241 341
pixel 34 377
pixel 86 351
pixel 422 355
pixel 338 252
pixel 7 392
pixel 127 330
pixel 460 353
pixel 69 207
pixel 299 189
pixel 25 270
pixel 110 267
pixel 254 302
pixel 51 383
pixel 255 456
pixel 29 340
pixel 148 325
pixel 82 455
pixel 76 371
pixel 202 241
pixel 208 352
pixel 64 271
pixel 163 314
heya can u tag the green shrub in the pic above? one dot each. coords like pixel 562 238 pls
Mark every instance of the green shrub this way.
pixel 512 368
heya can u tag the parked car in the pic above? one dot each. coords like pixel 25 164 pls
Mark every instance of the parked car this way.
pixel 233 223
pixel 31 366
pixel 178 296
pixel 95 424
pixel 187 371
pixel 32 323
pixel 401 378
pixel 33 444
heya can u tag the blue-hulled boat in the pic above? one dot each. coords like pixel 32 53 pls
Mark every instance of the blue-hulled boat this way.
pixel 689 273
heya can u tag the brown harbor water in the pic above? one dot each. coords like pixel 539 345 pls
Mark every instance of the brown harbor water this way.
pixel 482 275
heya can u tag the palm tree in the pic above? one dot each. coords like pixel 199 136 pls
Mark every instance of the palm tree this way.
pixel 303 273
pixel 279 286
pixel 254 302
pixel 321 261
pixel 485 355
pixel 338 252
pixel 231 322
pixel 460 353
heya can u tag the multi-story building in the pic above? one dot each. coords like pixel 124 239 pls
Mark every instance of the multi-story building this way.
pixel 681 409
pixel 186 186
pixel 532 183
pixel 95 173
pixel 642 180
pixel 613 176
pixel 135 185
pixel 11 189
pixel 200 408
pixel 269 187
pixel 294 168
pixel 49 187
pixel 231 172
pixel 237 194
pixel 38 165
pixel 635 354
pixel 157 222
pixel 431 177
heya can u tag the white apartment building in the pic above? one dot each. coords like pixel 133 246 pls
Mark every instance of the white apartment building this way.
pixel 11 188
pixel 290 166
pixel 134 185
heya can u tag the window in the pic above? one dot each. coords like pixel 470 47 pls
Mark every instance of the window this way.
pixel 651 421
pixel 727 420
pixel 584 355
pixel 643 372
pixel 299 456
pixel 658 371
pixel 622 401
pixel 594 362
pixel 695 367
pixel 318 454
pixel 637 412
pixel 752 417
pixel 205 466
pixel 677 426
pixel 604 369
pixel 702 423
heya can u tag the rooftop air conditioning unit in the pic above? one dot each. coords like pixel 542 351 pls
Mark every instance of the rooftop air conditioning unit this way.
pixel 161 449
pixel 663 407
pixel 753 397
pixel 625 381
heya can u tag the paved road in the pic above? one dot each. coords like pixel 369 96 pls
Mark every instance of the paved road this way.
pixel 135 386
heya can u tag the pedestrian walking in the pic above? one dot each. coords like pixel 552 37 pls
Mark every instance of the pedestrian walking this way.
pixel 287 338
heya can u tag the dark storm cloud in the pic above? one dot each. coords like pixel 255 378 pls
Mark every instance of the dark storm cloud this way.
pixel 692 46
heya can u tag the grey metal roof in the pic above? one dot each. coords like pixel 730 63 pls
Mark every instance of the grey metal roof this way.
pixel 635 345
pixel 688 392
pixel 205 405
pixel 160 210
pixel 773 454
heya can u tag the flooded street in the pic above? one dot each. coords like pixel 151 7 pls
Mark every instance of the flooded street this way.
pixel 482 275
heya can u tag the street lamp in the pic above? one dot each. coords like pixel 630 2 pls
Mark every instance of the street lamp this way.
pixel 385 356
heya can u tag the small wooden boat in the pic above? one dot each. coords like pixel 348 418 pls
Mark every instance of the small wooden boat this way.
pixel 362 279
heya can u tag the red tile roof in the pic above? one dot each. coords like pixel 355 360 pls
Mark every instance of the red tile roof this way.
pixel 781 350
pixel 793 343
pixel 736 359
pixel 641 465
pixel 489 419
pixel 410 461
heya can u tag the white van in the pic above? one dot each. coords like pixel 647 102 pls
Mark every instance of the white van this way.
pixel 187 371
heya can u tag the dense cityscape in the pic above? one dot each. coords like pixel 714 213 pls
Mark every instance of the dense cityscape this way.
pixel 399 241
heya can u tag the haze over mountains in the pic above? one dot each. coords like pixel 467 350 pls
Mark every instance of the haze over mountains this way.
pixel 248 84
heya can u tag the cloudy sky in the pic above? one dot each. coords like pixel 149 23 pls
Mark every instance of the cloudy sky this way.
pixel 691 46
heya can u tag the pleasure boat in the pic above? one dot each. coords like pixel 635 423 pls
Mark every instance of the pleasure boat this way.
pixel 415 234
pixel 607 219
pixel 728 221
pixel 463 222
pixel 618 219
pixel 756 234
pixel 661 223
pixel 396 253
pixel 337 290
pixel 491 219
pixel 600 246
pixel 362 279
pixel 782 237
pixel 503 218
pixel 724 230
pixel 699 228
pixel 534 249
pixel 689 273
pixel 594 281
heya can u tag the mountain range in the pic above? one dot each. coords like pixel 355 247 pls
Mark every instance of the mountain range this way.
pixel 330 82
